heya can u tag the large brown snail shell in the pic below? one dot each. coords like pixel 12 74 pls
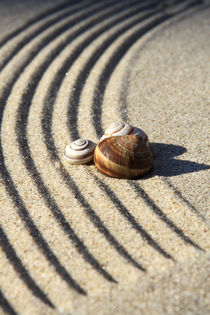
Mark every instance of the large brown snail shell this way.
pixel 123 156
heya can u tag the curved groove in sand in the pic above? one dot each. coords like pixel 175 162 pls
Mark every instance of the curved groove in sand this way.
pixel 35 20
pixel 11 189
pixel 21 131
pixel 124 117
pixel 49 142
pixel 29 34
pixel 25 151
pixel 179 194
pixel 142 194
pixel 32 48
pixel 108 70
pixel 6 306
pixel 83 75
pixel 51 145
pixel 46 126
pixel 97 107
pixel 16 262
pixel 98 100
pixel 80 80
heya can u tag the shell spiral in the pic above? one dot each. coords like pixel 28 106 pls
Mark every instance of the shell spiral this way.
pixel 79 151
pixel 123 156
pixel 123 129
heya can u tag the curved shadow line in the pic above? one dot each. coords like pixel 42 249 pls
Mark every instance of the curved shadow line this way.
pixel 48 38
pixel 30 37
pixel 124 115
pixel 16 262
pixel 141 193
pixel 36 20
pixel 21 132
pixel 6 306
pixel 49 142
pixel 10 187
pixel 25 151
pixel 31 227
pixel 95 219
pixel 75 133
pixel 108 70
pixel 75 97
pixel 124 87
pixel 21 126
pixel 114 60
pixel 98 100
pixel 9 179
pixel 55 86
pixel 50 98
pixel 124 211
pixel 182 198
pixel 75 101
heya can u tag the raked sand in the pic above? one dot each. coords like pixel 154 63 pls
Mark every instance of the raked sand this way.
pixel 73 241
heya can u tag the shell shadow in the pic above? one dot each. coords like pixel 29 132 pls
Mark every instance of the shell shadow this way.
pixel 165 163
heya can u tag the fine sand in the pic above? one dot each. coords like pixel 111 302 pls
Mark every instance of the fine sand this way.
pixel 73 241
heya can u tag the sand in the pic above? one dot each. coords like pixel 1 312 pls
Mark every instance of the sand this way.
pixel 74 241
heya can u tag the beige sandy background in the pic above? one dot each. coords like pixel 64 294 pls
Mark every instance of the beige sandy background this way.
pixel 73 241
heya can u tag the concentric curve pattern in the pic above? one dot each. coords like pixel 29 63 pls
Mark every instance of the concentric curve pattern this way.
pixel 70 237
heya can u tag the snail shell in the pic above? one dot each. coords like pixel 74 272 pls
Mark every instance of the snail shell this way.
pixel 122 129
pixel 79 151
pixel 123 156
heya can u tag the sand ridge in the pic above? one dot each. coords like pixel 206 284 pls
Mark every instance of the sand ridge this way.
pixel 74 241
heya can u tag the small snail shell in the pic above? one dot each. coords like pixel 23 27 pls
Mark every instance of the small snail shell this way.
pixel 123 156
pixel 122 129
pixel 80 151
